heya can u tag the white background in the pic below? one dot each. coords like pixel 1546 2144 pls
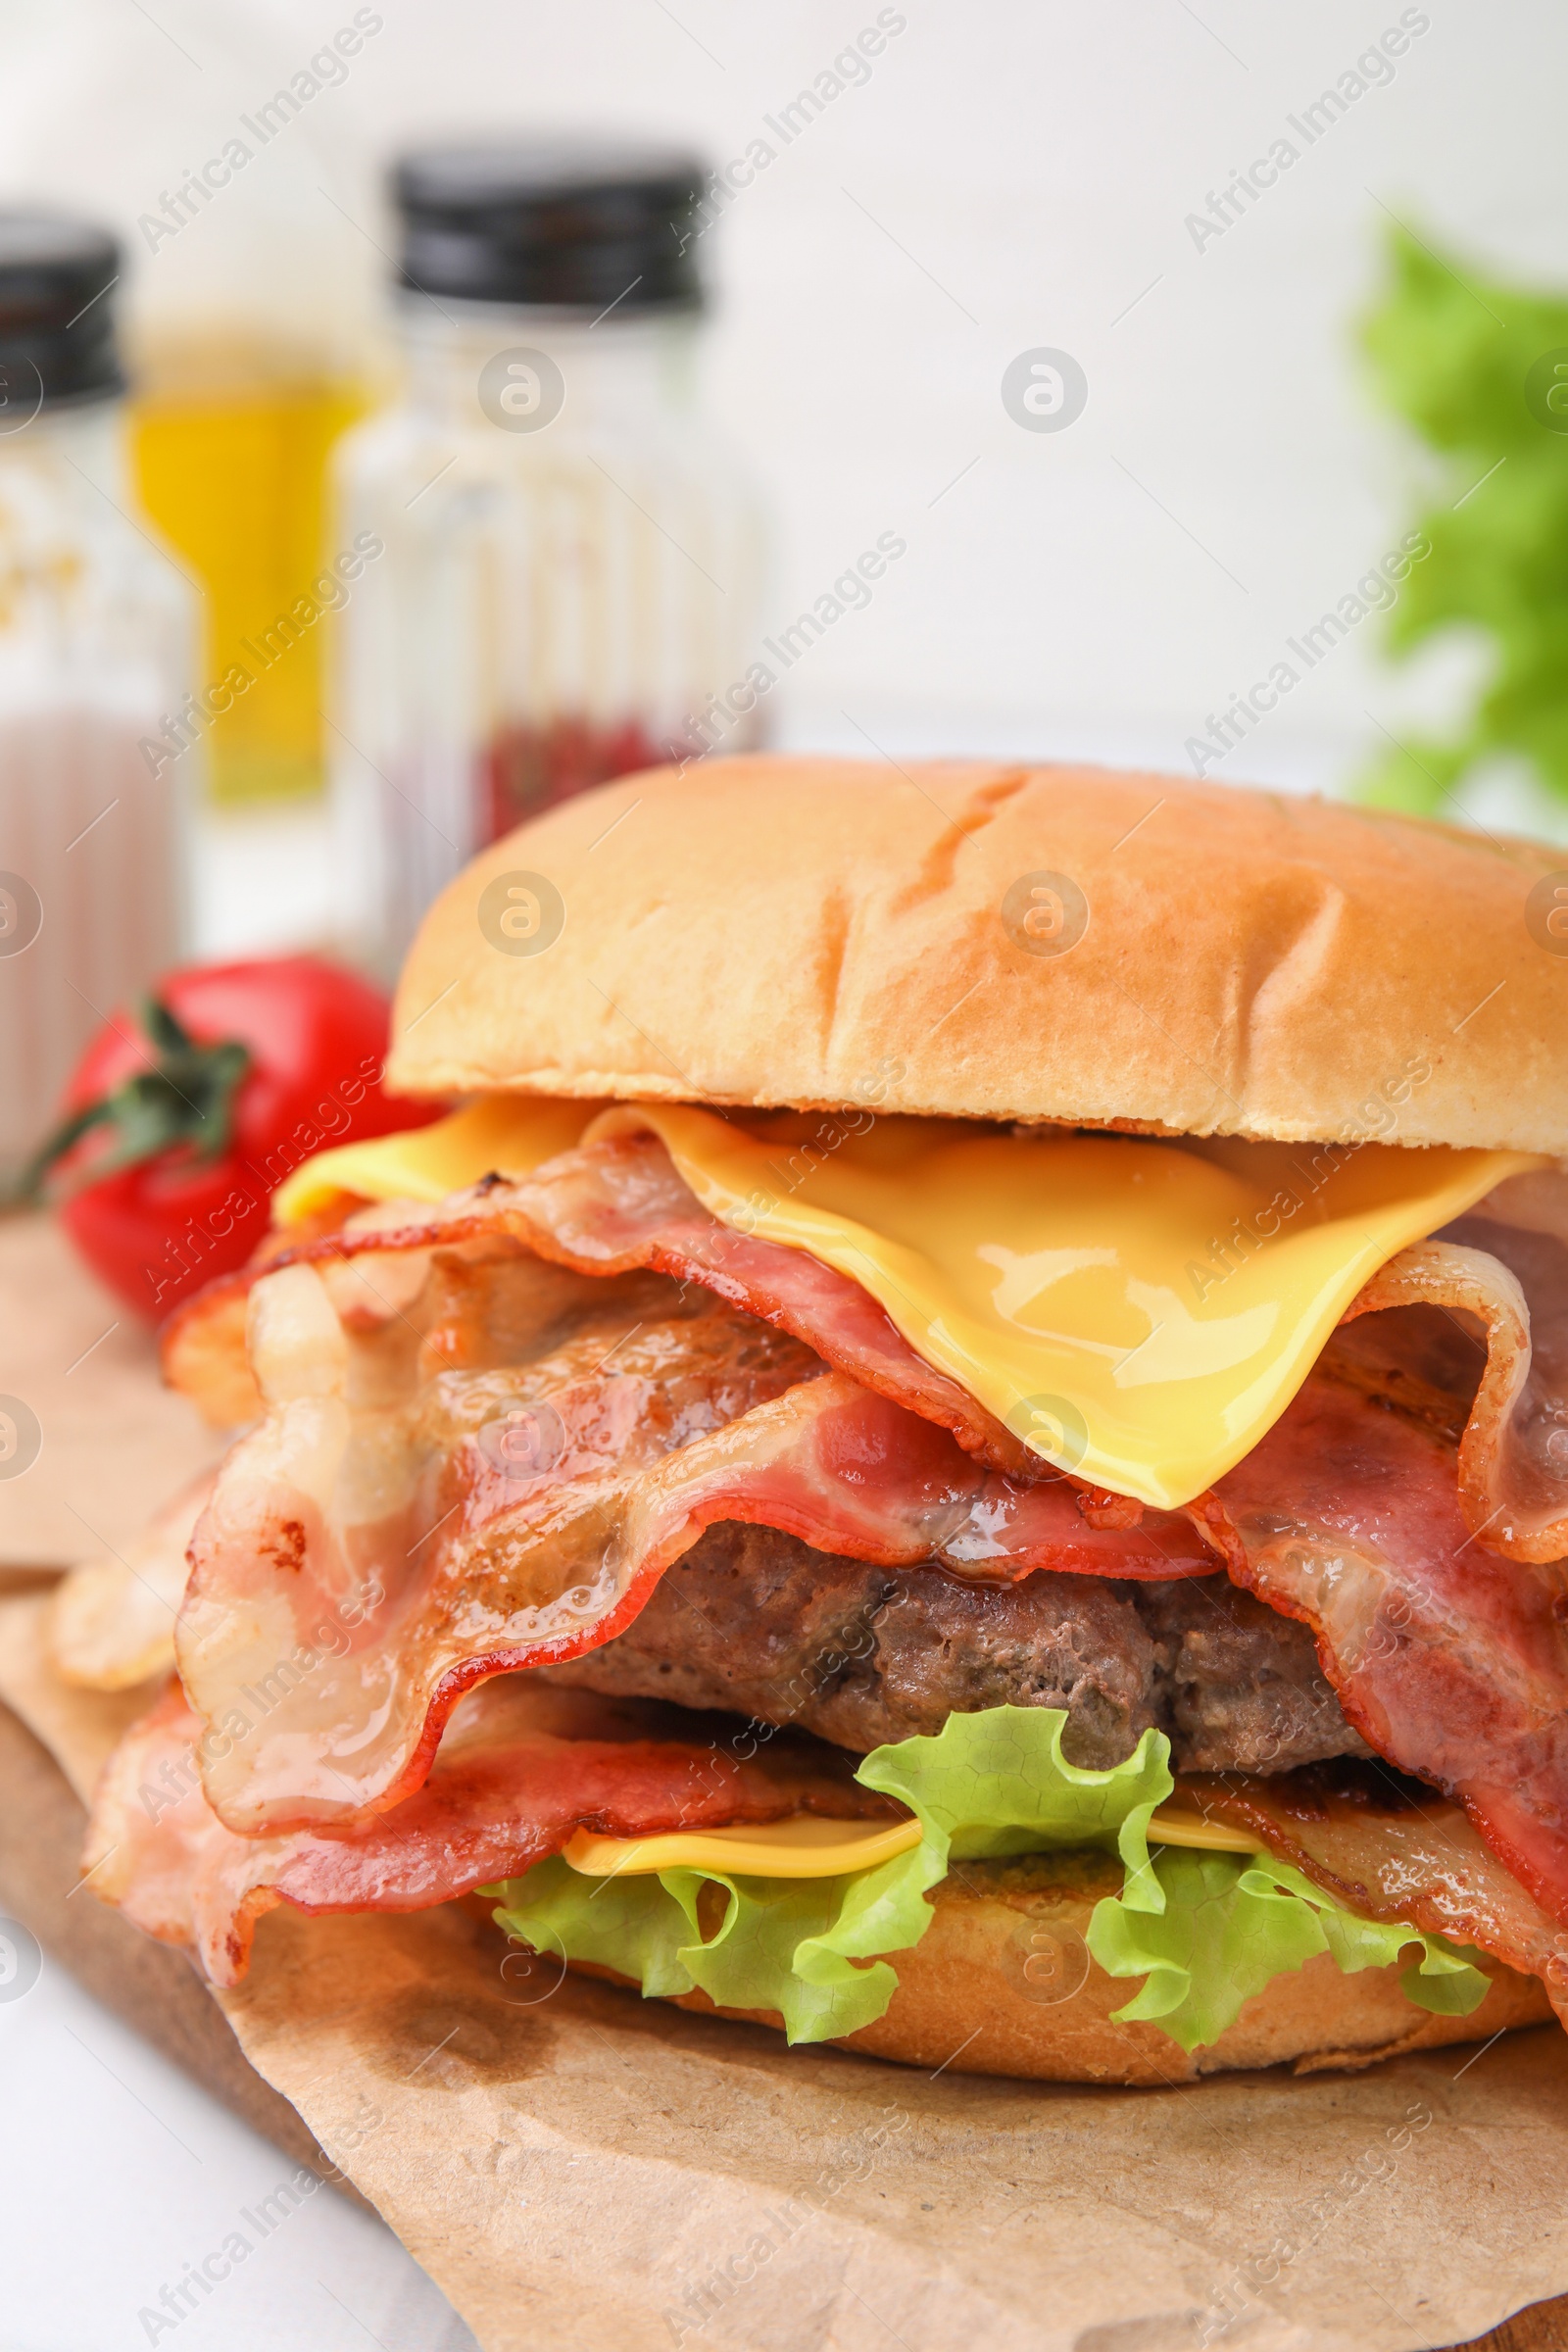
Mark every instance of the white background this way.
pixel 118 2173
pixel 1015 173
pixel 1037 159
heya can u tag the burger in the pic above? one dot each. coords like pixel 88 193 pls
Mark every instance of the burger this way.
pixel 958 1444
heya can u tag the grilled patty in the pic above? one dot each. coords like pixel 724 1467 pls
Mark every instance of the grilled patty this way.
pixel 759 1624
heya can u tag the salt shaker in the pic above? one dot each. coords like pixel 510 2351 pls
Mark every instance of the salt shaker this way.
pixel 212 145
pixel 566 559
pixel 97 630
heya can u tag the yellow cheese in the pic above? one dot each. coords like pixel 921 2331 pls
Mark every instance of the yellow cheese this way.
pixel 1213 1837
pixel 425 1163
pixel 803 1846
pixel 807 1846
pixel 1140 1312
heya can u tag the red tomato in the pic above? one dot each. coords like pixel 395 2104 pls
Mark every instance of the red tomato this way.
pixel 191 1121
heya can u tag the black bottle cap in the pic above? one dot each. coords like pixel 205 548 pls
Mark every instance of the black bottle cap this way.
pixel 57 318
pixel 576 223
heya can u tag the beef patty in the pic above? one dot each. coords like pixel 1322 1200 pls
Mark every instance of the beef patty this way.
pixel 759 1624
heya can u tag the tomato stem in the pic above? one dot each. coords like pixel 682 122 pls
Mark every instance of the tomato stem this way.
pixel 185 1100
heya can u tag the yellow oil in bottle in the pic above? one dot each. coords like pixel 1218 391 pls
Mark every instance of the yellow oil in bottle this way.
pixel 231 449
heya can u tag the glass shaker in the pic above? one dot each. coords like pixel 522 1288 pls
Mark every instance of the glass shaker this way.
pixel 211 145
pixel 561 561
pixel 99 737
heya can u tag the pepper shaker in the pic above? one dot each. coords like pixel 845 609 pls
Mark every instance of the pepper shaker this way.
pixel 569 560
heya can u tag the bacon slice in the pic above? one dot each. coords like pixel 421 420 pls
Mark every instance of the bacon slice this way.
pixel 1450 1662
pixel 608 1207
pixel 619 1203
pixel 112 1619
pixel 520 1768
pixel 1392 1853
pixel 1523 1488
pixel 1513 1454
pixel 389 1537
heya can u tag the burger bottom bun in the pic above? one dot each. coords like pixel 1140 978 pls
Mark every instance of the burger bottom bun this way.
pixel 1002 1983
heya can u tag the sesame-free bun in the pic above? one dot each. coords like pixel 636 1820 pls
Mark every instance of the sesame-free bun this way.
pixel 1007 942
pixel 1002 1983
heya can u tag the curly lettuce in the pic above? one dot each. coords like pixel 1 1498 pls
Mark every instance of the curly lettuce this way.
pixel 1206 1931
pixel 1472 365
pixel 805 1949
pixel 1229 1923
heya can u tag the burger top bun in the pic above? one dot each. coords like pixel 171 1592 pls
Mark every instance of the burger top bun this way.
pixel 1015 943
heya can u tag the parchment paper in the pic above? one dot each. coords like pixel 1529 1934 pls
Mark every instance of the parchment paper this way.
pixel 115 1442
pixel 584 2171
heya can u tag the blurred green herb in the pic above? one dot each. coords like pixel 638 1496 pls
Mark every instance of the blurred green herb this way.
pixel 1474 366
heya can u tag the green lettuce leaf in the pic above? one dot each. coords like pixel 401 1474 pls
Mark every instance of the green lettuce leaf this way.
pixel 806 1946
pixel 1460 357
pixel 989 1784
pixel 628 1923
pixel 1228 1924
pixel 1206 1930
pixel 794 1945
pixel 997 1783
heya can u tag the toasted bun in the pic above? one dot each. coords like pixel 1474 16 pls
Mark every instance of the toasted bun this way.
pixel 1002 1983
pixel 819 932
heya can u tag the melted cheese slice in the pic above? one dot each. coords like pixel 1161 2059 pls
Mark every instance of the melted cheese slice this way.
pixel 807 1846
pixel 803 1846
pixel 502 1132
pixel 1139 1312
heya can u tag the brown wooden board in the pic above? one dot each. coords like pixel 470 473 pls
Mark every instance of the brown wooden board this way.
pixel 100 1444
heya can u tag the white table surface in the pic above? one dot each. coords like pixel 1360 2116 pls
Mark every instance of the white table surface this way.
pixel 118 2172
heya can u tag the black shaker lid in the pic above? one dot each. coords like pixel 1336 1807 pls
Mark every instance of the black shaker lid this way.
pixel 57 318
pixel 577 222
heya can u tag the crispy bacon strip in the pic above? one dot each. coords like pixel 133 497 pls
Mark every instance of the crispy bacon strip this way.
pixel 520 1768
pixel 112 1620
pixel 1450 1662
pixel 1511 1455
pixel 1518 1467
pixel 606 1209
pixel 390 1536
